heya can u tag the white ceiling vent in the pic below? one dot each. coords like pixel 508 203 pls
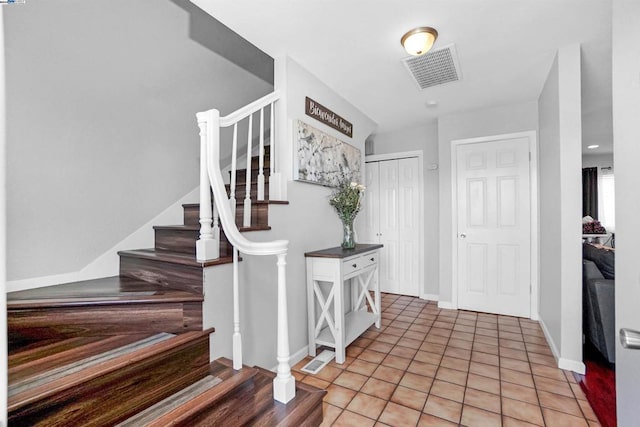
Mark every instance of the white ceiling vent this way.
pixel 435 67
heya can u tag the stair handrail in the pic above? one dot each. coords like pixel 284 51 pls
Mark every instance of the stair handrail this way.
pixel 210 123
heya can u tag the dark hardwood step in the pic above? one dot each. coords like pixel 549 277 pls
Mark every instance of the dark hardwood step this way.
pixel 182 238
pixel 115 389
pixel 259 213
pixel 100 307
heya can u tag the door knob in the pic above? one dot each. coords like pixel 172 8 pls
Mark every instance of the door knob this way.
pixel 463 236
pixel 630 339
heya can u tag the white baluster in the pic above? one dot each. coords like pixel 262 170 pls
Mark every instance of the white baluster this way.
pixel 275 178
pixel 237 338
pixel 216 226
pixel 284 384
pixel 261 158
pixel 207 247
pixel 234 167
pixel 246 222
pixel 272 142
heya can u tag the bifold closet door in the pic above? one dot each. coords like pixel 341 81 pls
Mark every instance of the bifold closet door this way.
pixel 392 220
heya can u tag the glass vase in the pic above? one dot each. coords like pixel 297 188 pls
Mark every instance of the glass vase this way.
pixel 348 235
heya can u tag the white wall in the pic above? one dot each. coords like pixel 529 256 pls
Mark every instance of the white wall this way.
pixel 560 157
pixel 487 122
pixel 308 222
pixel 101 103
pixel 597 160
pixel 423 138
pixel 626 111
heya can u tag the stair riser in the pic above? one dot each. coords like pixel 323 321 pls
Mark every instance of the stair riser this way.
pixel 102 320
pixel 182 277
pixel 259 214
pixel 184 241
pixel 119 394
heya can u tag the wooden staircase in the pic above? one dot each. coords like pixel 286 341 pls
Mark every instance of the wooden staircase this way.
pixel 130 349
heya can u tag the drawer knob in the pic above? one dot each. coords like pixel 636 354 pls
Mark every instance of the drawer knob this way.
pixel 373 259
pixel 355 265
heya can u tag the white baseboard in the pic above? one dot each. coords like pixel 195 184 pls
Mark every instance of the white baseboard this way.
pixel 430 297
pixel 572 365
pixel 563 363
pixel 295 357
pixel 446 305
pixel 108 263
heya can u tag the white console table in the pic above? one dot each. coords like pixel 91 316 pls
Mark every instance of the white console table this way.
pixel 337 268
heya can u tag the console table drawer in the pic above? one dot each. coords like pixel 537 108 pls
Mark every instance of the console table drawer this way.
pixel 358 263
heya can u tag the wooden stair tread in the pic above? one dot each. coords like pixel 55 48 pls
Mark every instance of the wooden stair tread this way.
pixel 104 291
pixel 241 201
pixel 174 257
pixel 40 391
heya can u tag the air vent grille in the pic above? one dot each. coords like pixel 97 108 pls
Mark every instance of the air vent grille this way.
pixel 435 67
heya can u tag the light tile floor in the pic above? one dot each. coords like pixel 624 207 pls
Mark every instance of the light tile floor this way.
pixel 431 367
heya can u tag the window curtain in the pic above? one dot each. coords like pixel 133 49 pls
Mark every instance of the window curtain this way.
pixel 590 192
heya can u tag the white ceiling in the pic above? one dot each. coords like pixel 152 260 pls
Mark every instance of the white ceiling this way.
pixel 505 50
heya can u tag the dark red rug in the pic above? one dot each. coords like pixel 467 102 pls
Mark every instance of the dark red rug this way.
pixel 599 385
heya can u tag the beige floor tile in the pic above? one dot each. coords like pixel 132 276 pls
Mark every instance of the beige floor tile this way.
pixel 350 419
pixel 398 415
pixel 514 344
pixel 511 336
pixel 339 396
pixel 452 376
pixel 486 325
pixel 329 414
pixel 421 368
pixel 443 408
pixel 522 411
pixel 427 420
pixel 416 382
pixel 510 328
pixel 391 375
pixel 447 390
pixel 372 356
pixel 411 343
pixel 515 365
pixel 485 348
pixel 455 363
pixel 398 332
pixel 458 353
pixel 361 367
pixel 560 403
pixel 482 399
pixel 328 373
pixel 378 388
pixel 351 380
pixel 516 377
pixel 486 340
pixel 587 411
pixel 549 372
pixel 396 362
pixel 387 338
pixel 519 392
pixel 316 382
pixel 542 359
pixel 408 397
pixel 460 343
pixel 476 417
pixel 419 336
pixel 466 336
pixel 512 353
pixel 485 370
pixel 489 359
pixel 479 382
pixel 405 352
pixel 428 357
pixel 512 422
pixel 367 405
pixel 553 386
pixel 353 351
pixel 560 419
pixel 487 332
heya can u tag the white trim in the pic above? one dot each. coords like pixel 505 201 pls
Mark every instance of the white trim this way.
pixel 447 305
pixel 568 364
pixel 3 232
pixel 295 357
pixel 534 206
pixel 420 156
pixel 430 297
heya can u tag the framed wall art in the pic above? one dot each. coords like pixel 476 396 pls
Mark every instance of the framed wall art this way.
pixel 322 159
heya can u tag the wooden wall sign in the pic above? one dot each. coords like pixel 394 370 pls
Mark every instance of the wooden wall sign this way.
pixel 328 117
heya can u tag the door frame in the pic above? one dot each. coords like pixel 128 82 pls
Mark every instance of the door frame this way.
pixel 534 206
pixel 405 155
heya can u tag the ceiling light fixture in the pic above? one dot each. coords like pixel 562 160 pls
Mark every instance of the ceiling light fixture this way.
pixel 591 147
pixel 419 40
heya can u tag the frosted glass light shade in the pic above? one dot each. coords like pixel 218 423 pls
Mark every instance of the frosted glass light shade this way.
pixel 419 40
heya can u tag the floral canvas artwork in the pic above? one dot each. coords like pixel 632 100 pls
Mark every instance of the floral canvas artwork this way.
pixel 323 159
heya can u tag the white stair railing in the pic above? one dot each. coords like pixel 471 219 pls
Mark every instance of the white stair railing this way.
pixel 210 123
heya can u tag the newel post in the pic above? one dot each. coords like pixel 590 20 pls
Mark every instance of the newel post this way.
pixel 207 247
pixel 284 384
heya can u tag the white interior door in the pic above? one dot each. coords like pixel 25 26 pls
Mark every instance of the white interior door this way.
pixel 494 227
pixel 392 217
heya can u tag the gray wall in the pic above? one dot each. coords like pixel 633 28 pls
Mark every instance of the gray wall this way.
pixel 550 204
pixel 423 138
pixel 487 122
pixel 101 132
pixel 560 149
